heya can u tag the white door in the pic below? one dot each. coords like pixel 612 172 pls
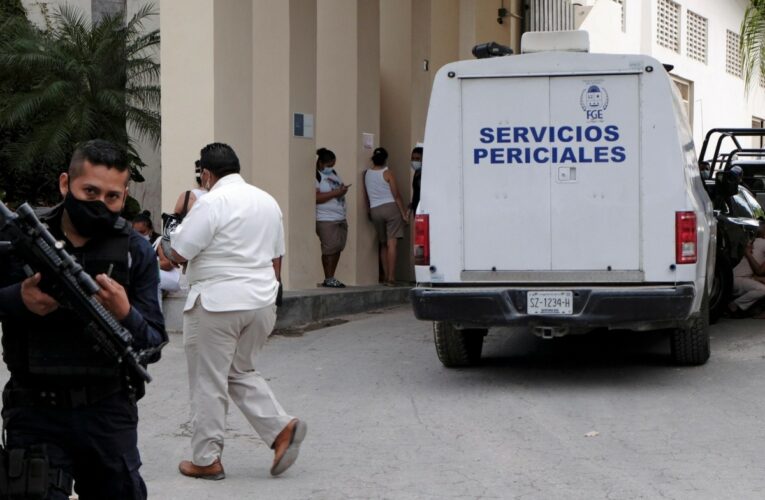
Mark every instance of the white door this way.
pixel 506 195
pixel 595 180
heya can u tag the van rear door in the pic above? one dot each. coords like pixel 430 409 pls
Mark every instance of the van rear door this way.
pixel 551 178
pixel 506 207
pixel 595 213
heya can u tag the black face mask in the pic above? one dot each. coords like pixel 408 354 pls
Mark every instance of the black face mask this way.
pixel 89 218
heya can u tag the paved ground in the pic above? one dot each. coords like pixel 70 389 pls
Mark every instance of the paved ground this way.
pixel 387 421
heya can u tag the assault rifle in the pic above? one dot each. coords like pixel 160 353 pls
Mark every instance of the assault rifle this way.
pixel 72 287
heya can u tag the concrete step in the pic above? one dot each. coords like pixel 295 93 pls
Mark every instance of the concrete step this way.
pixel 303 307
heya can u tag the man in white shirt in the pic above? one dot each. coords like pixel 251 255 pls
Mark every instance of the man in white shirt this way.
pixel 233 241
pixel 748 276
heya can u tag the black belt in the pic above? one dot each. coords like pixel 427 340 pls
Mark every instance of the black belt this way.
pixel 67 398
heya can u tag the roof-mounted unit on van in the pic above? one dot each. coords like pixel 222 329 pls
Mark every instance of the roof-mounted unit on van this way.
pixel 491 49
pixel 546 41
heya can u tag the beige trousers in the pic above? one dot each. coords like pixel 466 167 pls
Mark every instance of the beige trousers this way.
pixel 747 291
pixel 221 348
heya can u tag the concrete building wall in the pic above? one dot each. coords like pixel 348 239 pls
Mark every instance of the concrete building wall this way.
pixel 417 38
pixel 188 97
pixel 270 97
pixel 91 9
pixel 38 10
pixel 284 83
pixel 444 31
pixel 719 98
pixel 422 79
pixel 304 269
pixel 488 29
pixel 396 84
pixel 348 106
pixel 467 28
pixel 149 193
pixel 368 116
pixel 102 8
pixel 207 86
pixel 233 76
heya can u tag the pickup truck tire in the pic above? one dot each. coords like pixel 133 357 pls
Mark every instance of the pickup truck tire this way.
pixel 690 343
pixel 722 289
pixel 455 347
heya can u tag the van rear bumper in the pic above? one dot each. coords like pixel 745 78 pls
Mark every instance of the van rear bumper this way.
pixel 640 307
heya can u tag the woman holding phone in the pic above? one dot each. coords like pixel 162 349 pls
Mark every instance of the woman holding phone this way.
pixel 331 224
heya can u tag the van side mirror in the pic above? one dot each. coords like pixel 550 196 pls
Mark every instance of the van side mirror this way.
pixel 726 184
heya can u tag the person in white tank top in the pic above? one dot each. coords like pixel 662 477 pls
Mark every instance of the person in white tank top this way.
pixel 169 272
pixel 182 205
pixel 386 211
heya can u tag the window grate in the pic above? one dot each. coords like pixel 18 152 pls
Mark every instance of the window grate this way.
pixel 668 25
pixel 685 88
pixel 621 5
pixel 697 37
pixel 732 55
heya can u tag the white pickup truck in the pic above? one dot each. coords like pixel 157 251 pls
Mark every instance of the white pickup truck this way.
pixel 561 191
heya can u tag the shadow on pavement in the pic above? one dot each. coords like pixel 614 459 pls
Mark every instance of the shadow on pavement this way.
pixel 601 349
pixel 621 360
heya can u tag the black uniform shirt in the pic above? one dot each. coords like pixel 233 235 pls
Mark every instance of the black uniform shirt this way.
pixel 416 181
pixel 145 320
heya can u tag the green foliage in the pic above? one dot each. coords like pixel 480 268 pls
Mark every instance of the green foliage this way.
pixel 753 41
pixel 11 8
pixel 71 83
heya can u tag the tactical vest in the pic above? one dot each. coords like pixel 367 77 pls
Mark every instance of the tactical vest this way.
pixel 55 347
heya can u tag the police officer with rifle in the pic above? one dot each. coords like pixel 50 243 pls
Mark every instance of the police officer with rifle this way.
pixel 81 320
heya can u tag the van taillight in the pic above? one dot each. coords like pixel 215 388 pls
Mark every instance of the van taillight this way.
pixel 685 237
pixel 422 240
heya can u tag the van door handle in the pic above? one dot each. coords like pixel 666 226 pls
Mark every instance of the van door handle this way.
pixel 566 174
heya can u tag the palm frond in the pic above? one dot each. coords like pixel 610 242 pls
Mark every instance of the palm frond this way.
pixel 136 23
pixel 752 41
pixel 139 45
pixel 147 124
pixel 48 143
pixel 76 81
pixel 24 107
pixel 148 97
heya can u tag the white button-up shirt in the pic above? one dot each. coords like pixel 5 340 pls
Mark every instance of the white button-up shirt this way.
pixel 230 238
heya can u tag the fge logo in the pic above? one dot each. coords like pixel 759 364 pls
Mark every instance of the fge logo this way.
pixel 594 101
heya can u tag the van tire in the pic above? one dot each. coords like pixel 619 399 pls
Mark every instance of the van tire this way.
pixel 455 347
pixel 690 343
pixel 722 289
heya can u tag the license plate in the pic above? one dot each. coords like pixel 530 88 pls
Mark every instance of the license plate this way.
pixel 550 302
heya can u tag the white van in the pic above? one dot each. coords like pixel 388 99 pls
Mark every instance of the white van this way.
pixel 561 192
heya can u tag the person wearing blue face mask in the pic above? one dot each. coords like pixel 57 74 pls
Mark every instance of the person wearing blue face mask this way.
pixel 143 225
pixel 169 273
pixel 331 224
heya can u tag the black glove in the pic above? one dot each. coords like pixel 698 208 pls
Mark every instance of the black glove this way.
pixel 279 294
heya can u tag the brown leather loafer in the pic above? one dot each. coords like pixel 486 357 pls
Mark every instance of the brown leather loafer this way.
pixel 287 446
pixel 214 471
